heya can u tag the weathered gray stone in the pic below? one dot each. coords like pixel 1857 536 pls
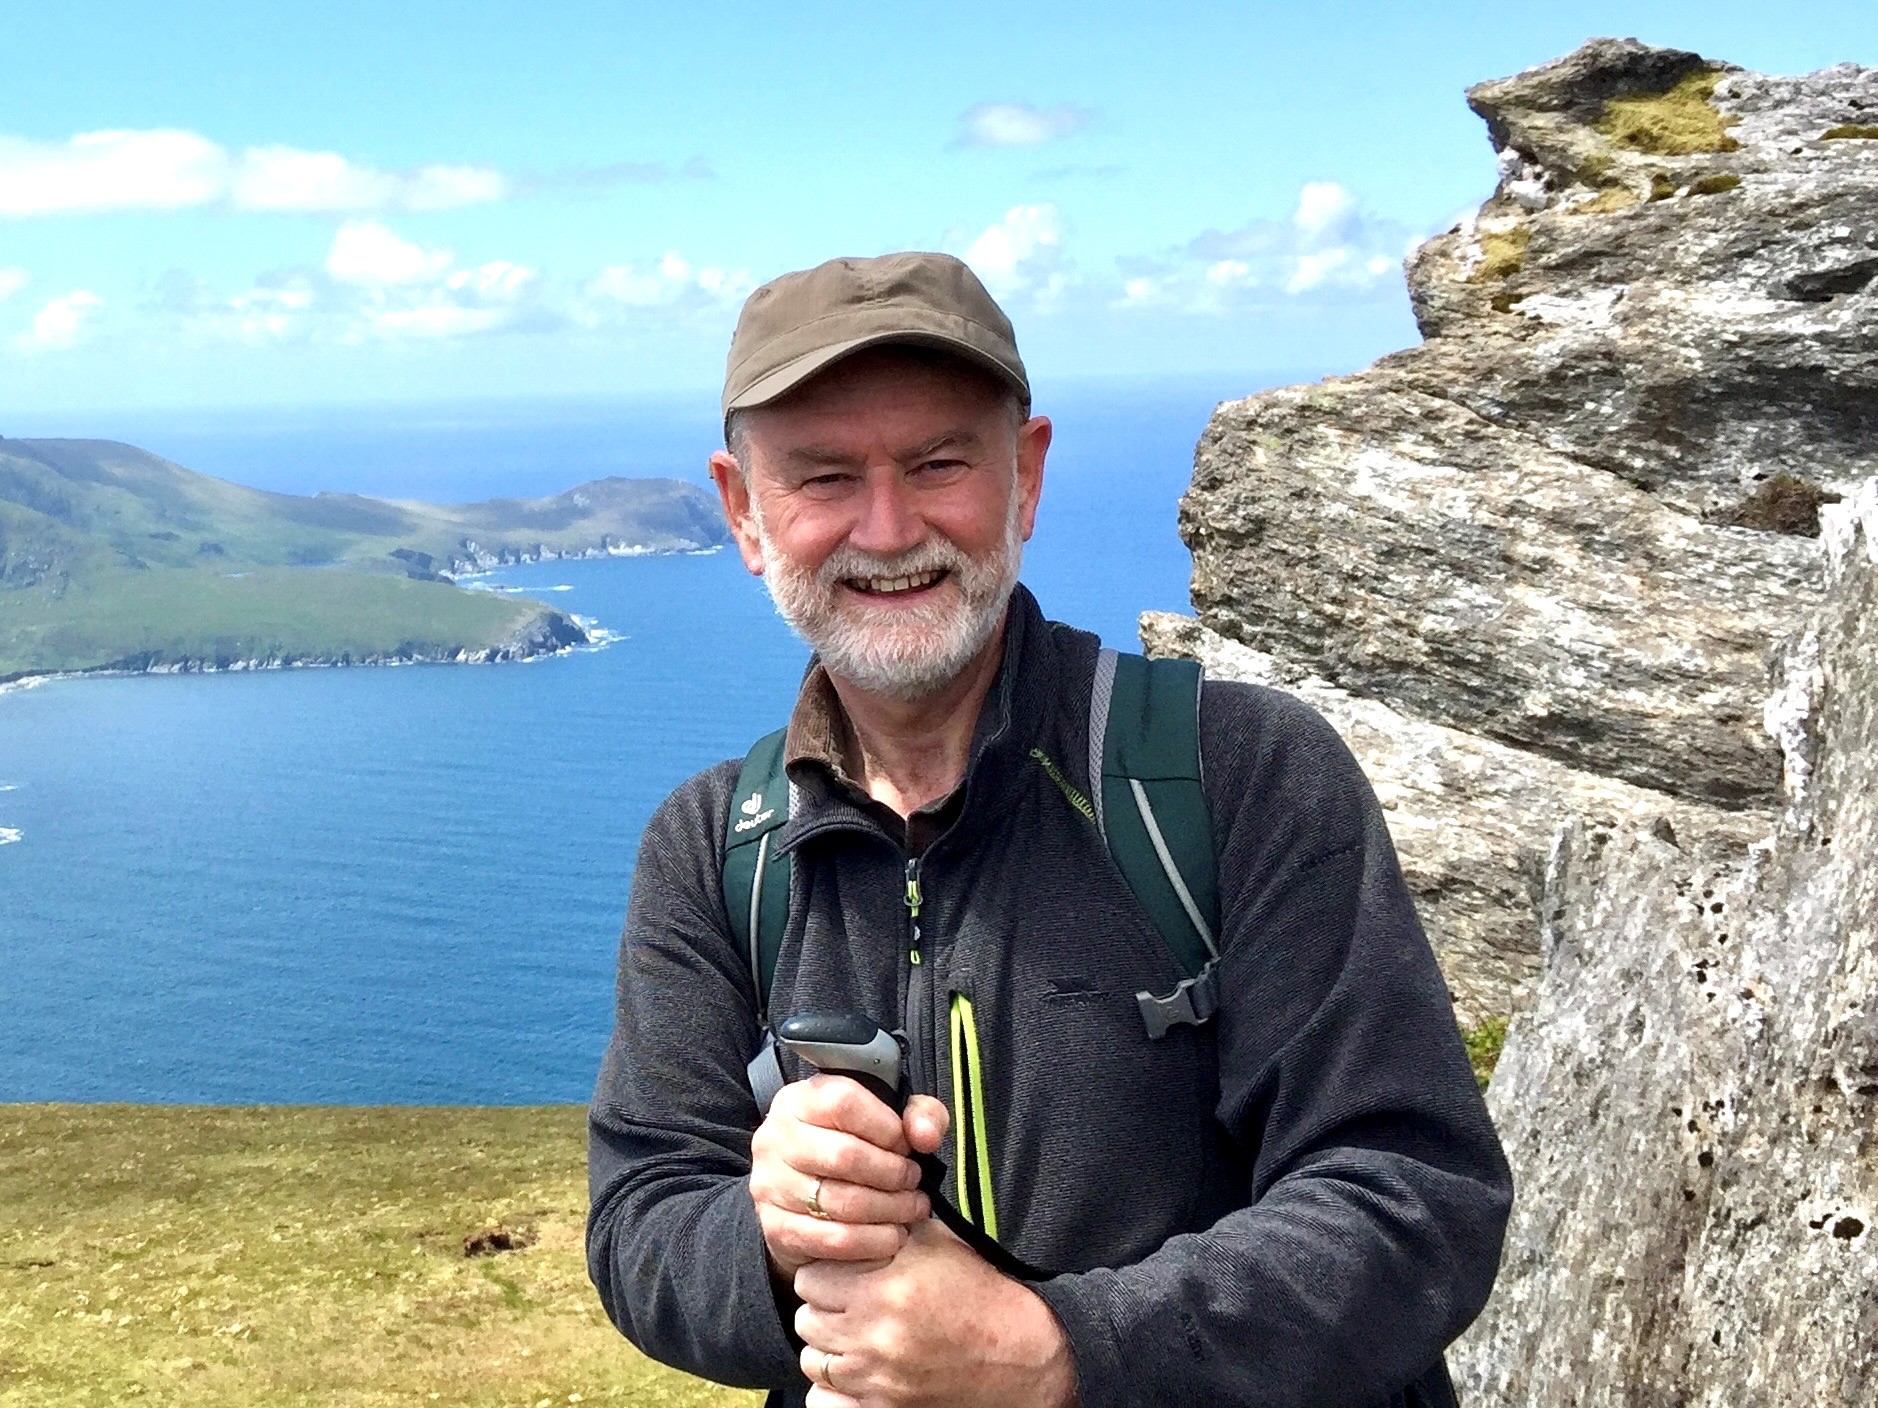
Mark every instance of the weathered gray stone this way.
pixel 1690 1105
pixel 1517 528
pixel 1540 540
pixel 1467 575
pixel 1473 820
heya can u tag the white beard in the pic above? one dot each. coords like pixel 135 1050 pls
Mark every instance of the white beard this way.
pixel 899 653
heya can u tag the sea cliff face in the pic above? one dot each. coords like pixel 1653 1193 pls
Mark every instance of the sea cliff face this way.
pixel 1589 580
pixel 1547 553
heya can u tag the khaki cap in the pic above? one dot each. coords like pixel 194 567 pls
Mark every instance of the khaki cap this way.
pixel 794 326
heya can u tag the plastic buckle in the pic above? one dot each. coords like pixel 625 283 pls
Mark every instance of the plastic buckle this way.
pixel 1192 1003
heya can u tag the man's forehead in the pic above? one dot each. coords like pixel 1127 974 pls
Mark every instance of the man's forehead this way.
pixel 902 397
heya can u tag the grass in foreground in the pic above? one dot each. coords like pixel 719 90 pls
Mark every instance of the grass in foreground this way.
pixel 229 1257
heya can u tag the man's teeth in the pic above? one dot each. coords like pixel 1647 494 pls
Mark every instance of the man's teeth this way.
pixel 886 586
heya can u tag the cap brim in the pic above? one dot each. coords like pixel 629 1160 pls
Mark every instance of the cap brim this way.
pixel 774 385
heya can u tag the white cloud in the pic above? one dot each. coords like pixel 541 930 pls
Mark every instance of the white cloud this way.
pixel 446 187
pixel 365 252
pixel 1022 254
pixel 1017 124
pixel 375 286
pixel 1324 208
pixel 11 282
pixel 1328 247
pixel 282 178
pixel 61 322
pixel 156 170
pixel 672 283
pixel 171 169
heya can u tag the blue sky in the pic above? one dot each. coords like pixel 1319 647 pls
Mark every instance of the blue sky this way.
pixel 209 205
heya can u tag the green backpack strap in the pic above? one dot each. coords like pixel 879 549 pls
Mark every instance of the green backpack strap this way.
pixel 756 885
pixel 1144 776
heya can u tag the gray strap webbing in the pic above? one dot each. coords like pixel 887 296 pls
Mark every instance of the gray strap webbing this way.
pixel 1099 731
pixel 1174 877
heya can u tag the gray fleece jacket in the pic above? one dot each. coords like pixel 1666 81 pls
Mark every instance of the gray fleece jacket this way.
pixel 1300 1203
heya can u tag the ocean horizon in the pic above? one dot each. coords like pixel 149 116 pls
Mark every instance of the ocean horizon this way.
pixel 376 885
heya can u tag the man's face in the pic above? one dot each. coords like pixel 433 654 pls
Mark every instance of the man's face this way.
pixel 885 503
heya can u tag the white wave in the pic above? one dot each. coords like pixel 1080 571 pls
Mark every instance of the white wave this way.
pixel 10 834
pixel 598 636
pixel 30 682
pixel 9 787
pixel 562 588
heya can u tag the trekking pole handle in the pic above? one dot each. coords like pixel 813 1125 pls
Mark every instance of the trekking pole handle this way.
pixel 849 1044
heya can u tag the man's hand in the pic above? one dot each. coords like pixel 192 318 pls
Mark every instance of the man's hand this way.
pixel 829 1131
pixel 935 1327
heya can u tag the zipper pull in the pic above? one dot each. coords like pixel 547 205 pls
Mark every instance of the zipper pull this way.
pixel 912 907
pixel 912 885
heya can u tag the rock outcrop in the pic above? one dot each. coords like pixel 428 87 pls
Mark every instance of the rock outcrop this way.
pixel 1690 1105
pixel 1471 817
pixel 1538 564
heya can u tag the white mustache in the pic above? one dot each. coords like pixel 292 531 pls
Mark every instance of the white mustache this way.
pixel 937 555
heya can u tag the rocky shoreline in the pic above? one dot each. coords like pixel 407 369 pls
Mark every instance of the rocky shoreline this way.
pixel 551 633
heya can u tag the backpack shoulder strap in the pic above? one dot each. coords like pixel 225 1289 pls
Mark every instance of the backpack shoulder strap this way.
pixel 1145 784
pixel 756 885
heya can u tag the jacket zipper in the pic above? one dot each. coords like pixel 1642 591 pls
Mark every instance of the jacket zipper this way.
pixel 918 1005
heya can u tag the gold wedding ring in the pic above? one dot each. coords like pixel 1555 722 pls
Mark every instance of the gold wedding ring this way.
pixel 815 1207
pixel 827 1374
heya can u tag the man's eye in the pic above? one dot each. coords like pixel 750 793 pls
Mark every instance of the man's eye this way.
pixel 941 466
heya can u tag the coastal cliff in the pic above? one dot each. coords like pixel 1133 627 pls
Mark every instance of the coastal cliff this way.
pixel 1589 581
pixel 1535 565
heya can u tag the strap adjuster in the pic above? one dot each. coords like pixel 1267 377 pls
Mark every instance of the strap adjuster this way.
pixel 1192 1003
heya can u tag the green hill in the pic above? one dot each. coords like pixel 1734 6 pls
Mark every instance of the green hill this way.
pixel 114 558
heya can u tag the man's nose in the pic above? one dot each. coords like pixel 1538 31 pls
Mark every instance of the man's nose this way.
pixel 889 520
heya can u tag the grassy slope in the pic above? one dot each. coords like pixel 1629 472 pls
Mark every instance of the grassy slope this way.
pixel 130 619
pixel 229 1257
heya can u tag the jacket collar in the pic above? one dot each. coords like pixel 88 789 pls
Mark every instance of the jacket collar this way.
pixel 819 743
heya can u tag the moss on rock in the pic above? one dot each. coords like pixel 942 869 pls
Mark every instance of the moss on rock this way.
pixel 1484 1044
pixel 1680 122
pixel 1502 253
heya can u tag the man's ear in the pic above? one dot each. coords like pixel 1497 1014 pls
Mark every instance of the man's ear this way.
pixel 1033 443
pixel 734 490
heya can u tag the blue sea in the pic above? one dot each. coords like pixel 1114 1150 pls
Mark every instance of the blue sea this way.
pixel 405 885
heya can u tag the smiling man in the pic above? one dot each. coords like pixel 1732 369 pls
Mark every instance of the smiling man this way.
pixel 1276 1184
